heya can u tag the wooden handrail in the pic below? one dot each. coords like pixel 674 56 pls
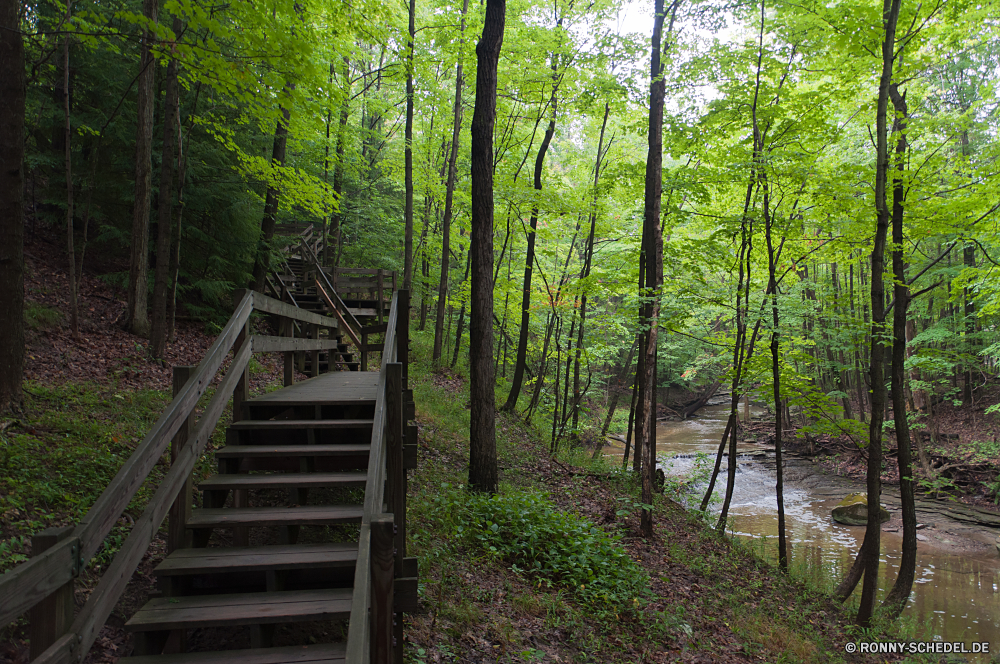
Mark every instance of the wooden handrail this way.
pixel 27 584
pixel 358 628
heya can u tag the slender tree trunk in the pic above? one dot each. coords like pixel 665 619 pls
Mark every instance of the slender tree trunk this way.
pixel 461 317
pixel 175 251
pixel 529 258
pixel 171 115
pixel 136 316
pixel 70 248
pixel 262 264
pixel 631 415
pixel 12 93
pixel 408 157
pixel 779 488
pixel 482 418
pixel 895 602
pixel 456 132
pixel 872 544
pixel 616 393
pixel 537 391
pixel 338 218
pixel 654 260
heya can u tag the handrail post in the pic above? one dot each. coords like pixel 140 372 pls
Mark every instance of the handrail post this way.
pixel 178 536
pixel 381 295
pixel 403 334
pixel 395 476
pixel 287 329
pixel 314 360
pixel 380 624
pixel 363 351
pixel 51 618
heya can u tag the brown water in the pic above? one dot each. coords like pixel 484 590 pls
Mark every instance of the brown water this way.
pixel 954 598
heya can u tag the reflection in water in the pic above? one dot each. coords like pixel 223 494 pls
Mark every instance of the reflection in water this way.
pixel 955 598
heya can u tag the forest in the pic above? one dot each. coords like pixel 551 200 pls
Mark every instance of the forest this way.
pixel 789 202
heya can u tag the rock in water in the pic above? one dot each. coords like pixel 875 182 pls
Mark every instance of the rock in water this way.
pixel 853 511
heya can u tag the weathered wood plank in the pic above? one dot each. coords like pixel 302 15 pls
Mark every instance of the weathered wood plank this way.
pixel 282 480
pixel 258 558
pixel 405 598
pixel 272 344
pixel 105 512
pixel 103 599
pixel 241 609
pixel 324 653
pixel 382 587
pixel 261 451
pixel 50 619
pixel 298 515
pixel 337 388
pixel 29 583
pixel 272 425
pixel 269 305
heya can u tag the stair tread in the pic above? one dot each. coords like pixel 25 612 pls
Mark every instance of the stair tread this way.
pixel 278 480
pixel 301 424
pixel 291 450
pixel 294 515
pixel 258 558
pixel 324 653
pixel 241 609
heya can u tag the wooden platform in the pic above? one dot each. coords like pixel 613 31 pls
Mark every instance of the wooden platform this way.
pixel 338 388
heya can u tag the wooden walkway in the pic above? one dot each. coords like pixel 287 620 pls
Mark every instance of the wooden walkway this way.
pixel 300 535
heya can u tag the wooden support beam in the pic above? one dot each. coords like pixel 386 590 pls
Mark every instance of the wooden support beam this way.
pixel 178 536
pixel 381 637
pixel 51 618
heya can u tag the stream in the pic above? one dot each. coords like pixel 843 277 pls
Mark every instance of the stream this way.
pixel 956 593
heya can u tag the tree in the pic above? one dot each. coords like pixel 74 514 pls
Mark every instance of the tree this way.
pixel 136 316
pixel 12 93
pixel 482 418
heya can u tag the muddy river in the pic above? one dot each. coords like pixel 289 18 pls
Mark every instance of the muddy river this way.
pixel 956 596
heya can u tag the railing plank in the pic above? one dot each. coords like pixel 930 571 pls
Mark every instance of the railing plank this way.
pixel 105 512
pixel 269 344
pixel 103 599
pixel 270 305
pixel 352 332
pixel 31 582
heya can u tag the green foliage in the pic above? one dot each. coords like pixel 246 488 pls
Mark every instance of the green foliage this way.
pixel 40 317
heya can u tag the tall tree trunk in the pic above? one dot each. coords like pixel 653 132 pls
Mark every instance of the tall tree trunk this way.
pixel 895 602
pixel 171 127
pixel 529 258
pixel 175 251
pixel 408 213
pixel 12 93
pixel 654 263
pixel 482 418
pixel 338 218
pixel 262 264
pixel 136 317
pixel 70 248
pixel 870 548
pixel 588 256
pixel 456 132
pixel 779 489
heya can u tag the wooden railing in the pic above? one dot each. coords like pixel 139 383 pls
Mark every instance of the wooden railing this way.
pixel 42 581
pixel 382 541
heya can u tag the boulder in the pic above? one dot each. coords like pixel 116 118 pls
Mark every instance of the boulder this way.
pixel 998 544
pixel 853 511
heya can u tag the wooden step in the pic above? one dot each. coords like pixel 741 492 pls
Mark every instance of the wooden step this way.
pixel 271 425
pixel 282 480
pixel 260 451
pixel 184 562
pixel 324 653
pixel 294 515
pixel 266 608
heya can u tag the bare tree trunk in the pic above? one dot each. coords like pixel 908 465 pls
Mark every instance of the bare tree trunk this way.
pixel 461 317
pixel 896 600
pixel 653 247
pixel 12 93
pixel 136 317
pixel 870 549
pixel 456 132
pixel 408 150
pixel 171 116
pixel 262 264
pixel 70 248
pixel 529 258
pixel 482 418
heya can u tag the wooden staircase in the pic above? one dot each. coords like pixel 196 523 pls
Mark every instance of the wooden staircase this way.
pixel 304 521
